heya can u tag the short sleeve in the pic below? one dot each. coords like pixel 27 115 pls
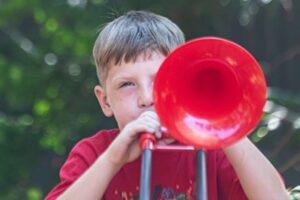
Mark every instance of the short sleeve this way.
pixel 81 157
pixel 76 163
pixel 229 186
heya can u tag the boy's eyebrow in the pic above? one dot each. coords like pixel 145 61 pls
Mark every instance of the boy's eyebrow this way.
pixel 123 76
pixel 128 75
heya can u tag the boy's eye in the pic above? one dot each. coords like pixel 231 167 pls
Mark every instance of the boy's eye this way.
pixel 125 84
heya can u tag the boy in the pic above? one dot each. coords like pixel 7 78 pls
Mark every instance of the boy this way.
pixel 128 53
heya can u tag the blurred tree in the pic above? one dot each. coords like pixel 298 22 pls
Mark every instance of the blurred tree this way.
pixel 47 77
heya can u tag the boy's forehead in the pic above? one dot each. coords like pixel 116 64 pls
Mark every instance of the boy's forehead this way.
pixel 143 57
pixel 124 68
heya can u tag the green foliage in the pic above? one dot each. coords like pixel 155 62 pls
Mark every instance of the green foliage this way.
pixel 47 77
pixel 294 193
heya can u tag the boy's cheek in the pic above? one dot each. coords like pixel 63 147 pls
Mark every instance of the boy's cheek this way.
pixel 123 94
pixel 127 92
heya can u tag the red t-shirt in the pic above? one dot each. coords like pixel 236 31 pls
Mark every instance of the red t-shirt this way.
pixel 173 174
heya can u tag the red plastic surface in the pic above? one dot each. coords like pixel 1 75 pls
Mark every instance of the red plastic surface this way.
pixel 209 93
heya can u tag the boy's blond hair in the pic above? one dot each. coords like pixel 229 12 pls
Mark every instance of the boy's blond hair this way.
pixel 131 35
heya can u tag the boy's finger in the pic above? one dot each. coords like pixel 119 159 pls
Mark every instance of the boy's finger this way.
pixel 158 133
pixel 150 114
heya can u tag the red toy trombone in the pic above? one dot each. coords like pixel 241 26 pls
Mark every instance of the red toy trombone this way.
pixel 208 93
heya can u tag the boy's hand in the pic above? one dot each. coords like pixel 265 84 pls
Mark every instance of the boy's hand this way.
pixel 125 148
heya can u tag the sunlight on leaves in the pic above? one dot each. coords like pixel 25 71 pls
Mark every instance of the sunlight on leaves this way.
pixel 26 120
pixel 259 134
pixel 15 74
pixel 34 193
pixel 39 15
pixel 51 25
pixel 50 59
pixel 41 107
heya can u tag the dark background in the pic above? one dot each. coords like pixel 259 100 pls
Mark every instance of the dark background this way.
pixel 47 77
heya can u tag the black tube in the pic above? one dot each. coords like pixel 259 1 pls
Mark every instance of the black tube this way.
pixel 201 176
pixel 145 175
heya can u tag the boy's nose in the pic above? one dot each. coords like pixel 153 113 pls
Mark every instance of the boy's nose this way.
pixel 145 97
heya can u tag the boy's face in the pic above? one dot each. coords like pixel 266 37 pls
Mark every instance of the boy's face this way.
pixel 127 90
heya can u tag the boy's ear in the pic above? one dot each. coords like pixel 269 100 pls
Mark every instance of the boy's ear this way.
pixel 102 100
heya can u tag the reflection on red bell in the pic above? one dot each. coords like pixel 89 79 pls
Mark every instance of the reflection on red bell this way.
pixel 209 93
